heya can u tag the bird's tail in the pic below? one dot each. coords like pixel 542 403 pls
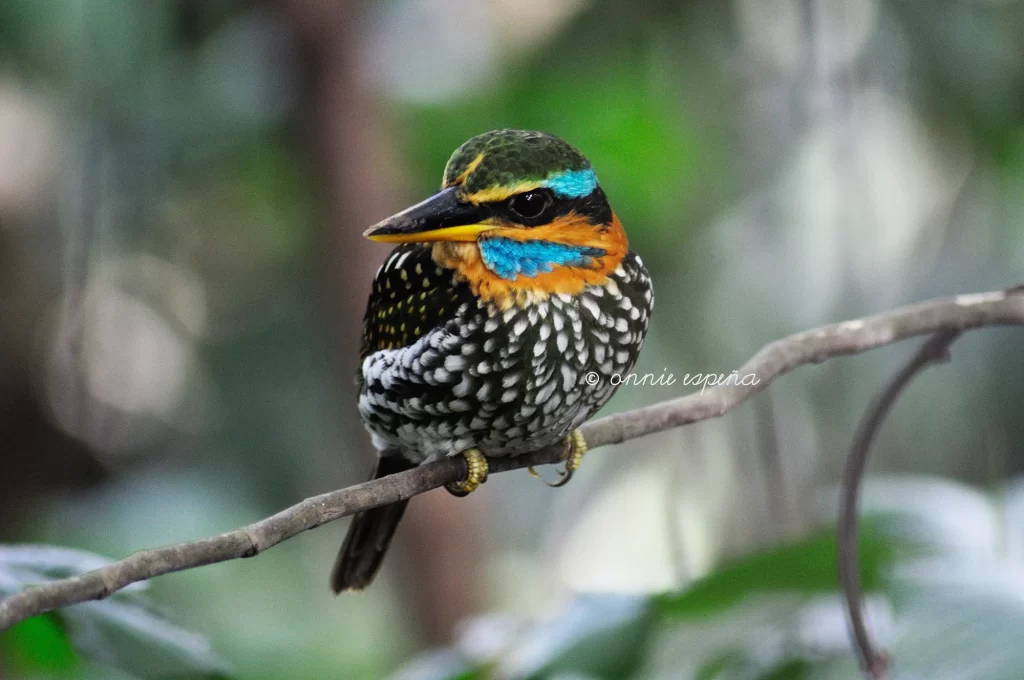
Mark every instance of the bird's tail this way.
pixel 369 535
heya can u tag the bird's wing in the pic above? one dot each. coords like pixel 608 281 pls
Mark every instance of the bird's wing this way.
pixel 411 296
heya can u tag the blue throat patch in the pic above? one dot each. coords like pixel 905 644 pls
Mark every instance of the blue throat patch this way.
pixel 573 183
pixel 509 258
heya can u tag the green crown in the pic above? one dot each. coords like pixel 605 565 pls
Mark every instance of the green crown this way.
pixel 512 156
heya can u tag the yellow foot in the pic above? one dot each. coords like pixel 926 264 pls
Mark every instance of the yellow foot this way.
pixel 476 474
pixel 575 447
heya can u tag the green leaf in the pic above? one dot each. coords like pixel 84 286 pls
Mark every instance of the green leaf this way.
pixel 805 567
pixel 38 645
pixel 124 631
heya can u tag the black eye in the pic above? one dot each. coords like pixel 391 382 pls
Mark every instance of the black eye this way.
pixel 531 204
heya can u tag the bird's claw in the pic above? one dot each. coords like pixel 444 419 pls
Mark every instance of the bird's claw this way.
pixel 575 448
pixel 476 474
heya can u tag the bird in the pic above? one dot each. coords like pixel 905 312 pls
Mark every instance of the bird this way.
pixel 495 325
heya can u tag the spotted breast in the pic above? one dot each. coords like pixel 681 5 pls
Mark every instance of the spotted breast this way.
pixel 444 371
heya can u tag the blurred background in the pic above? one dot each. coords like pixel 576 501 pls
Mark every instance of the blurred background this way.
pixel 183 188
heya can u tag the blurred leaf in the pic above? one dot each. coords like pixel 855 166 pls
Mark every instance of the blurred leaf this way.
pixel 928 515
pixel 599 635
pixel 123 631
pixel 794 669
pixel 444 664
pixel 805 567
pixel 126 634
pixel 38 645
pixel 23 565
pixel 960 618
pixel 761 635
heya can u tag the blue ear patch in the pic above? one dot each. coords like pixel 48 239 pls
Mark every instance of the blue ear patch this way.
pixel 573 183
pixel 509 258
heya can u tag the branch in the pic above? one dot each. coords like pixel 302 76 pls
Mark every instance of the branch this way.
pixel 935 350
pixel 961 313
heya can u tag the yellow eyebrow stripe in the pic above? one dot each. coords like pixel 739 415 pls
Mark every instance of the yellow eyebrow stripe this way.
pixel 465 173
pixel 497 194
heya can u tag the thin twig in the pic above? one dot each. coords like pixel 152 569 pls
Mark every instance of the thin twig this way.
pixel 934 350
pixel 815 346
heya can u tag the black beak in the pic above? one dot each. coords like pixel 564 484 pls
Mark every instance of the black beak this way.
pixel 442 217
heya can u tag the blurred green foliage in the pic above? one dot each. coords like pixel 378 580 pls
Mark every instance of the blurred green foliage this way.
pixel 39 645
pixel 124 632
pixel 774 614
pixel 808 566
pixel 936 604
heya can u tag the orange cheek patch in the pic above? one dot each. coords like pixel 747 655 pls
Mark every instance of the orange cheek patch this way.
pixel 571 229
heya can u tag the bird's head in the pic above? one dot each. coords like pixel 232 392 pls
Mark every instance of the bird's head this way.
pixel 520 216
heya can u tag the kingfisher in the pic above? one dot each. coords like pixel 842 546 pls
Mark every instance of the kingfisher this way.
pixel 508 293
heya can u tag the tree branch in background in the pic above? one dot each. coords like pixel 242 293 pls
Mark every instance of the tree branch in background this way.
pixel 957 314
pixel 934 350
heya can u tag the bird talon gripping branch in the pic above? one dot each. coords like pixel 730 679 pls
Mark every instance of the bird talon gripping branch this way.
pixel 507 291
pixel 575 447
pixel 476 474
